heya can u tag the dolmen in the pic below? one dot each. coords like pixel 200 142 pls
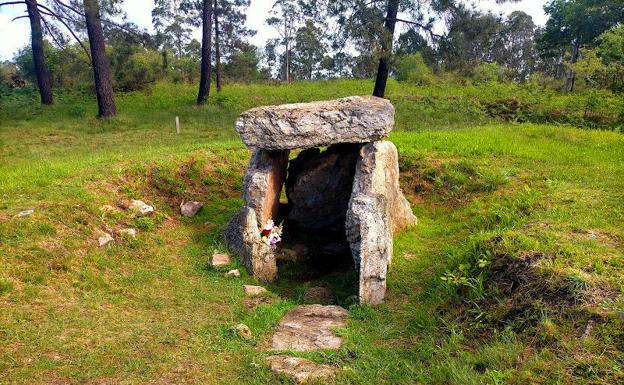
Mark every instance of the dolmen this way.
pixel 343 181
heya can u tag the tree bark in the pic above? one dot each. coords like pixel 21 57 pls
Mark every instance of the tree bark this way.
pixel 101 72
pixel 217 45
pixel 569 86
pixel 41 69
pixel 384 62
pixel 206 51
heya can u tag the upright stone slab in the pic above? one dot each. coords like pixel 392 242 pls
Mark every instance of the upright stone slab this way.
pixel 243 237
pixel 377 207
pixel 263 181
pixel 356 119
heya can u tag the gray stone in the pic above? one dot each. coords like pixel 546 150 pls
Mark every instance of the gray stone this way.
pixel 254 290
pixel 25 213
pixel 370 238
pixel 243 237
pixel 233 273
pixel 310 327
pixel 141 207
pixel 378 173
pixel 300 369
pixel 105 239
pixel 189 209
pixel 319 186
pixel 356 119
pixel 132 233
pixel 263 181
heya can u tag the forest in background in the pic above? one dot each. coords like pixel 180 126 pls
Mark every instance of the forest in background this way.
pixel 580 48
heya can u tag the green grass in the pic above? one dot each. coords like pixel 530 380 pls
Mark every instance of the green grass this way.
pixel 539 205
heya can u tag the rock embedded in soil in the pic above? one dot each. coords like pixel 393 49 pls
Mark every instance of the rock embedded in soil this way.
pixel 233 273
pixel 318 295
pixel 356 119
pixel 189 209
pixel 132 233
pixel 300 369
pixel 310 327
pixel 140 207
pixel 105 239
pixel 220 259
pixel 244 332
pixel 262 183
pixel 243 237
pixel 319 186
pixel 254 290
pixel 25 213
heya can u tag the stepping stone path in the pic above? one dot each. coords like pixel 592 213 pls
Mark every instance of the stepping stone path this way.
pixel 310 327
pixel 300 369
pixel 303 329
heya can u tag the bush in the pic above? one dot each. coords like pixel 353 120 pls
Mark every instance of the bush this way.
pixel 413 69
pixel 490 72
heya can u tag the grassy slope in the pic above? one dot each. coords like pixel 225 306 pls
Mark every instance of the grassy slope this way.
pixel 149 310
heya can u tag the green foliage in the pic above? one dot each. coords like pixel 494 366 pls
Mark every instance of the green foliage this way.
pixel 414 70
pixel 490 72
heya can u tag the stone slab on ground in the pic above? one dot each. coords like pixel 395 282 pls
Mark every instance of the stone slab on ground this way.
pixel 310 327
pixel 189 209
pixel 318 295
pixel 356 119
pixel 254 290
pixel 300 369
pixel 220 259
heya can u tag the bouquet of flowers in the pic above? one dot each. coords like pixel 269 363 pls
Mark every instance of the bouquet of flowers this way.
pixel 271 234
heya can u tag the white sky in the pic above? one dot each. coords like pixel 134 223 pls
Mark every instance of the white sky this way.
pixel 14 35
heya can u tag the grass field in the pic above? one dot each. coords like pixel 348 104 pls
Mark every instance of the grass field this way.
pixel 514 274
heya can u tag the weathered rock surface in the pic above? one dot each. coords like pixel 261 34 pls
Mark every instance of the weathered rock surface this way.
pixel 105 239
pixel 254 290
pixel 220 259
pixel 300 369
pixel 356 119
pixel 377 207
pixel 233 273
pixel 310 327
pixel 141 207
pixel 378 173
pixel 318 295
pixel 319 186
pixel 132 233
pixel 189 209
pixel 243 237
pixel 263 181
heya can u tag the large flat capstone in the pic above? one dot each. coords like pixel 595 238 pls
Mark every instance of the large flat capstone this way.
pixel 356 119
pixel 310 327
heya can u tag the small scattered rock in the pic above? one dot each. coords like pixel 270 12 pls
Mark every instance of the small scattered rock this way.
pixel 107 208
pixel 318 295
pixel 243 331
pixel 141 207
pixel 220 259
pixel 25 213
pixel 132 233
pixel 189 209
pixel 310 327
pixel 233 273
pixel 105 239
pixel 254 290
pixel 300 369
pixel 592 235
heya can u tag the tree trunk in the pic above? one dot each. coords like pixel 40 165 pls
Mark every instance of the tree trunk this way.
pixel 43 74
pixel 206 51
pixel 287 42
pixel 384 62
pixel 101 72
pixel 569 86
pixel 217 45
